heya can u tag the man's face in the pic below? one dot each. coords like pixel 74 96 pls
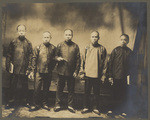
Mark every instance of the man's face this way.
pixel 94 38
pixel 68 35
pixel 21 30
pixel 123 40
pixel 46 37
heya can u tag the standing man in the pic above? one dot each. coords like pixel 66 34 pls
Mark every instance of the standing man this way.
pixel 118 70
pixel 68 57
pixel 18 62
pixel 92 67
pixel 43 62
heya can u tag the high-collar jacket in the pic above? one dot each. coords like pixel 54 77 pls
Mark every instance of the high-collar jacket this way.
pixel 119 62
pixel 19 54
pixel 101 59
pixel 71 54
pixel 43 60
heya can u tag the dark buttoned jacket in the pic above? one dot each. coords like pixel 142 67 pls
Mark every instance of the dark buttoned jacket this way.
pixel 119 62
pixel 43 60
pixel 71 53
pixel 19 54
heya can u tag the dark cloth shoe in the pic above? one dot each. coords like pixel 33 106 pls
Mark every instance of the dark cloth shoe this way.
pixel 57 109
pixel 124 115
pixel 46 107
pixel 110 114
pixel 9 106
pixel 96 111
pixel 71 109
pixel 85 110
pixel 34 108
pixel 27 105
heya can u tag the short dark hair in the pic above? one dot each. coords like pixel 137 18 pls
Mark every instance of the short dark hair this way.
pixel 46 32
pixel 21 25
pixel 96 32
pixel 127 36
pixel 68 29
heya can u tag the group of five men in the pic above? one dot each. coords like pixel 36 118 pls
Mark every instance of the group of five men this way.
pixel 39 63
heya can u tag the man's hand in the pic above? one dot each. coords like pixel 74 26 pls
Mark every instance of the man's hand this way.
pixel 27 72
pixel 82 76
pixel 31 75
pixel 103 79
pixel 60 59
pixel 82 82
pixel 75 75
pixel 111 81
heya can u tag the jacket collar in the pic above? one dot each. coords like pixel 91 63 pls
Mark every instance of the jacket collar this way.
pixel 46 45
pixel 21 38
pixel 69 42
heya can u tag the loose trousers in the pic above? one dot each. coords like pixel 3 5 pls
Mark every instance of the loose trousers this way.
pixel 89 84
pixel 60 87
pixel 42 80
pixel 19 88
pixel 120 94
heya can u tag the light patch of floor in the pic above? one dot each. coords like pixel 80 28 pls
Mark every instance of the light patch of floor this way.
pixel 24 112
pixel 6 112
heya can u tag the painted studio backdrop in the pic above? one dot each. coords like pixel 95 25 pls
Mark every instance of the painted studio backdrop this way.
pixel 110 19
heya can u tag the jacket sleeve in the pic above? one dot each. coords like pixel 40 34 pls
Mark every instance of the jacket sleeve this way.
pixel 78 60
pixel 9 56
pixel 110 64
pixel 53 60
pixel 57 52
pixel 82 66
pixel 34 59
pixel 130 63
pixel 30 54
pixel 104 68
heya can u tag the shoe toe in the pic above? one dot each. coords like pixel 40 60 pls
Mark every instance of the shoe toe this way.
pixel 85 110
pixel 46 107
pixel 57 109
pixel 96 111
pixel 34 108
pixel 71 109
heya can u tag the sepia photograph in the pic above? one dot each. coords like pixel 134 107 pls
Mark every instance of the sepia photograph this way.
pixel 74 60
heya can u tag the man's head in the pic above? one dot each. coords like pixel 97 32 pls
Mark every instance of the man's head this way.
pixel 94 37
pixel 21 29
pixel 46 37
pixel 68 34
pixel 124 39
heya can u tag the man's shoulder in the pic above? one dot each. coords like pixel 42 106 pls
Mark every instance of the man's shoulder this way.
pixel 14 40
pixel 75 44
pixel 101 47
pixel 38 46
pixel 117 48
pixel 28 41
pixel 53 46
pixel 64 43
pixel 129 49
pixel 61 44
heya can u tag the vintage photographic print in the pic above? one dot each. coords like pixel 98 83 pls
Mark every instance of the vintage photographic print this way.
pixel 75 60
